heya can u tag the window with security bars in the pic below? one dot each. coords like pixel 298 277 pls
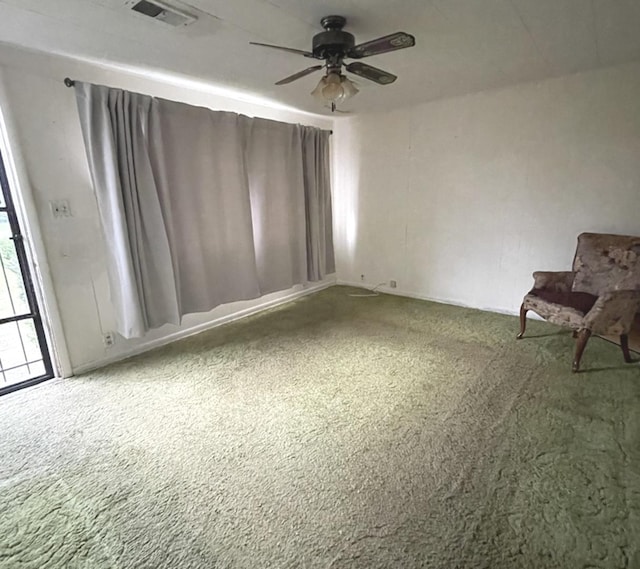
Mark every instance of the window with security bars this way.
pixel 24 357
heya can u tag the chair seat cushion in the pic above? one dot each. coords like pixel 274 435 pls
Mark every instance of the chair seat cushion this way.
pixel 580 301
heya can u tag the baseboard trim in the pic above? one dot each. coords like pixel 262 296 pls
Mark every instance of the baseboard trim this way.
pixel 142 348
pixel 153 344
pixel 418 296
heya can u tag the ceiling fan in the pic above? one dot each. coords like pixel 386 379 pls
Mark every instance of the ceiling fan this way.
pixel 334 46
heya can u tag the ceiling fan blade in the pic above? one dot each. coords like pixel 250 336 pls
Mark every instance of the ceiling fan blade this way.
pixel 371 73
pixel 299 74
pixel 289 49
pixel 399 40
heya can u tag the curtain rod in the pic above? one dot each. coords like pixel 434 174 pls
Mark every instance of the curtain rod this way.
pixel 71 82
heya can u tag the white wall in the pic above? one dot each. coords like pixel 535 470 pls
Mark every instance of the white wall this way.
pixel 461 200
pixel 46 141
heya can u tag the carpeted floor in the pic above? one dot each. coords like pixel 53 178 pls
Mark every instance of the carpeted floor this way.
pixel 329 433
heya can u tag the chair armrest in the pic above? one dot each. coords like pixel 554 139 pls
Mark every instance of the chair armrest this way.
pixel 558 281
pixel 613 312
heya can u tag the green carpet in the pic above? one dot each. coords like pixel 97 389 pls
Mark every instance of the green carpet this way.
pixel 332 432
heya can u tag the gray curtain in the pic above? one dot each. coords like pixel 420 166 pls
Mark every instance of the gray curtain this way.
pixel 200 207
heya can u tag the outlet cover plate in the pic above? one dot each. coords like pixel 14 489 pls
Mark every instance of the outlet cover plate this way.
pixel 60 208
pixel 109 339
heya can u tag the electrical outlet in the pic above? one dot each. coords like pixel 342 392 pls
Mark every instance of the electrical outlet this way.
pixel 393 284
pixel 109 339
pixel 60 208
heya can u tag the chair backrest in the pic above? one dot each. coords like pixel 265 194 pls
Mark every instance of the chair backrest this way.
pixel 605 262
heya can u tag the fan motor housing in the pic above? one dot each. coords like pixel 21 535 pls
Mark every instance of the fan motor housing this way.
pixel 332 42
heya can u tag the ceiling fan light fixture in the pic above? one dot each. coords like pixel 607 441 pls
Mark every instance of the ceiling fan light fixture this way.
pixel 334 88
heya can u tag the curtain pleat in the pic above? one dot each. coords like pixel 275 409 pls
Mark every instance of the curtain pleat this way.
pixel 317 194
pixel 274 166
pixel 201 208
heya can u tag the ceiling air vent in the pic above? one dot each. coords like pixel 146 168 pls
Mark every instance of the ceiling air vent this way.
pixel 161 12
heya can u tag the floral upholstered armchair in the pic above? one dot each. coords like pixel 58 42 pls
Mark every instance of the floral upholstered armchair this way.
pixel 600 296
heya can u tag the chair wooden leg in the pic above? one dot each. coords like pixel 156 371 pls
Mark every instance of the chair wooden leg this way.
pixel 581 342
pixel 624 344
pixel 523 321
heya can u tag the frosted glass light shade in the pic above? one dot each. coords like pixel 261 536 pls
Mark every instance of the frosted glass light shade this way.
pixel 348 87
pixel 332 90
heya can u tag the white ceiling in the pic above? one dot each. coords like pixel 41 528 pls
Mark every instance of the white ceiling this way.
pixel 462 45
